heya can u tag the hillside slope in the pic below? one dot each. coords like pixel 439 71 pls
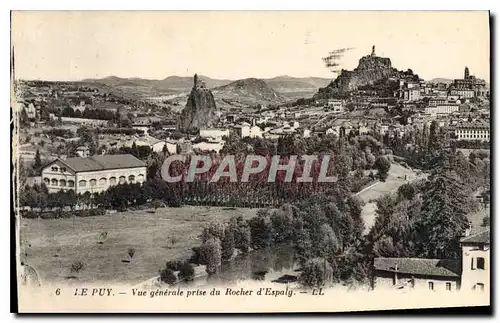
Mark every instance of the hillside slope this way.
pixel 247 92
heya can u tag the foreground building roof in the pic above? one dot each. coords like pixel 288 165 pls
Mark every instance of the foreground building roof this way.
pixel 103 162
pixel 419 266
pixel 479 235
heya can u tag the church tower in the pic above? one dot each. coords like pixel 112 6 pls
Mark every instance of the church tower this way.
pixel 373 51
pixel 466 73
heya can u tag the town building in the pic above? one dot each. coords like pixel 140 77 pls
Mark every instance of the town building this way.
pixel 473 131
pixel 214 133
pixel 471 272
pixel 246 130
pixel 93 174
pixel 411 94
pixel 476 260
pixel 211 145
pixel 83 151
pixel 335 105
pixel 171 146
pixel 462 93
pixel 416 273
pixel 153 143
pixel 31 111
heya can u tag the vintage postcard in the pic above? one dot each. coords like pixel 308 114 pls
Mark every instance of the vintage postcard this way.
pixel 251 161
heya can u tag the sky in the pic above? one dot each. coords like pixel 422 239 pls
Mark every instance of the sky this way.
pixel 75 45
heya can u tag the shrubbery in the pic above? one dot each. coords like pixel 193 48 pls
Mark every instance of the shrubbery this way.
pixel 168 276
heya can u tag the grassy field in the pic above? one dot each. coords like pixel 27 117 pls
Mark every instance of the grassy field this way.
pixel 53 245
pixel 396 178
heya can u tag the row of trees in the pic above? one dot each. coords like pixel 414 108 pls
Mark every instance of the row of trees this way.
pixel 89 113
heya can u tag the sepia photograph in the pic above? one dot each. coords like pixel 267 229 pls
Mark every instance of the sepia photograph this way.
pixel 251 161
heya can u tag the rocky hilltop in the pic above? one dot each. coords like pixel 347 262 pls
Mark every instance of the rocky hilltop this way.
pixel 371 70
pixel 200 110
pixel 248 92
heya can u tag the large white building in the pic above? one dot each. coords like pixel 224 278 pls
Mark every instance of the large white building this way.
pixel 93 174
pixel 214 133
pixel 473 131
pixel 462 93
pixel 442 108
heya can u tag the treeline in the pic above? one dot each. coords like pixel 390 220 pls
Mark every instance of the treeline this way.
pixel 89 113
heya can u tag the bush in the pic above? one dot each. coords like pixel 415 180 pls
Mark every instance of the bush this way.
pixel 168 276
pixel 196 256
pixel 186 271
pixel 382 164
pixel 76 266
pixel 174 265
pixel 316 273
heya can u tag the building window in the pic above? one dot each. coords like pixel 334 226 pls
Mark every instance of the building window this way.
pixel 92 182
pixel 63 169
pixel 102 181
pixel 82 183
pixel 112 180
pixel 448 286
pixel 140 178
pixel 431 286
pixel 122 179
pixel 479 286
pixel 53 182
pixel 480 263
pixel 62 183
pixel 46 181
pixel 55 169
pixel 131 178
pixel 71 183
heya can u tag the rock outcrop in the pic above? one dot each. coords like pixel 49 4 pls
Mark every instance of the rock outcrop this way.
pixel 200 110
pixel 371 70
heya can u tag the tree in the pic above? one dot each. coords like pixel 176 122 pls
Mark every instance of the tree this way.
pixel 38 161
pixel 186 271
pixel 261 230
pixel 443 218
pixel 382 164
pixel 329 244
pixel 486 221
pixel 242 236
pixel 303 246
pixel 316 272
pixel 228 243
pixel 210 254
pixel 23 118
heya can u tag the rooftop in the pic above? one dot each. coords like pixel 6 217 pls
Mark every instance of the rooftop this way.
pixel 103 162
pixel 419 266
pixel 478 235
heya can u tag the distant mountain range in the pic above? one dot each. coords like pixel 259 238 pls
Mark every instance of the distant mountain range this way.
pixel 281 84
